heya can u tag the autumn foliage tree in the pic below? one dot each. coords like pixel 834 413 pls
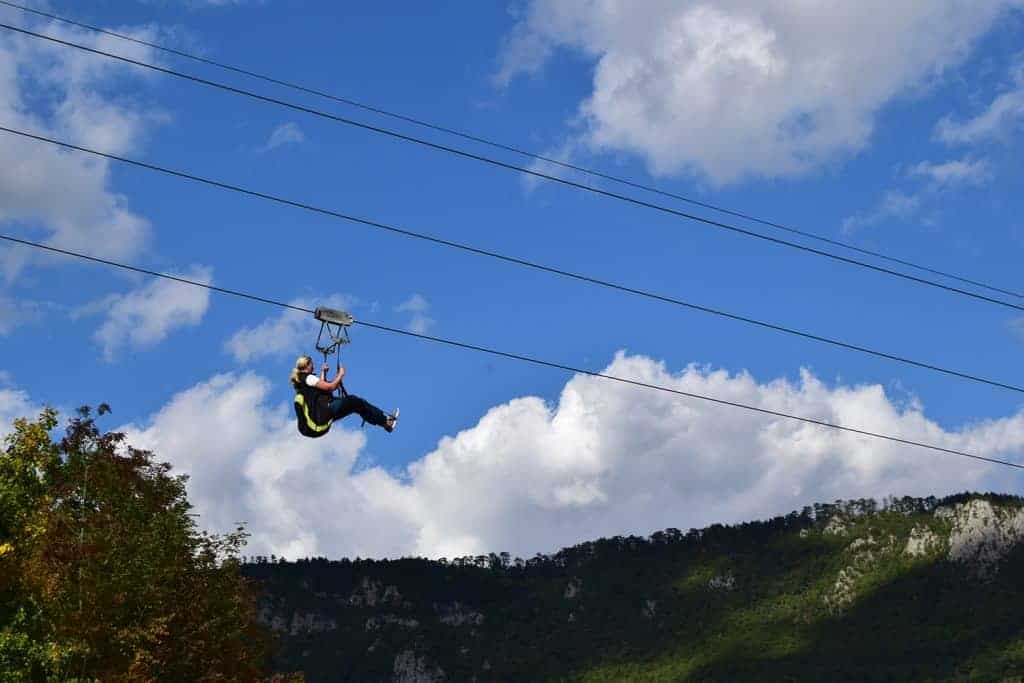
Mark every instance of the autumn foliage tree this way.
pixel 104 574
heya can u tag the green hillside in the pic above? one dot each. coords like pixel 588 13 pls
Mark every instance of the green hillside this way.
pixel 912 589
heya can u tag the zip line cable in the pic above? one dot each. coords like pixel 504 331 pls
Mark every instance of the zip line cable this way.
pixel 518 261
pixel 508 148
pixel 513 167
pixel 517 357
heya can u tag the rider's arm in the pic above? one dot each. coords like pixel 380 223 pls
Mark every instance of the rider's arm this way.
pixel 324 385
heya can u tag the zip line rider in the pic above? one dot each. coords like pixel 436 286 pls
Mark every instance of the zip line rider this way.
pixel 316 408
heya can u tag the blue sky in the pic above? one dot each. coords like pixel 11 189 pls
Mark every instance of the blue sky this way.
pixel 911 147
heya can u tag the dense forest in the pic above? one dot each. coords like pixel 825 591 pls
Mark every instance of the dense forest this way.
pixel 906 589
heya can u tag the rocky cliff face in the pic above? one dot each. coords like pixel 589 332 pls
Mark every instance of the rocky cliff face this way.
pixel 914 589
pixel 413 668
pixel 982 535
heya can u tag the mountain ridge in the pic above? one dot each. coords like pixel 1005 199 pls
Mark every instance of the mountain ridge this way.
pixel 912 588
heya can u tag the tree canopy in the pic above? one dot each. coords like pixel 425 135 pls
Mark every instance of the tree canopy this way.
pixel 104 573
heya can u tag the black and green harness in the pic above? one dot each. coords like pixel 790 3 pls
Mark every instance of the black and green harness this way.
pixel 312 409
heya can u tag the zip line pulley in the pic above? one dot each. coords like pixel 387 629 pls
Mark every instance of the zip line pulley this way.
pixel 333 334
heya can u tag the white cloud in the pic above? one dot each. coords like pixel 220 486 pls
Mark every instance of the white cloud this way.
pixel 606 459
pixel 14 313
pixel 285 134
pixel 999 119
pixel 562 154
pixel 64 93
pixel 895 204
pixel 418 306
pixel 742 88
pixel 937 179
pixel 147 315
pixel 957 172
pixel 14 404
pixel 291 332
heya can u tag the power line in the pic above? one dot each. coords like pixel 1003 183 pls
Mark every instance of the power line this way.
pixel 515 356
pixel 510 148
pixel 513 167
pixel 519 261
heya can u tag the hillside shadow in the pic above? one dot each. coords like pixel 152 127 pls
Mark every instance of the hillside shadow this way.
pixel 697 620
pixel 931 623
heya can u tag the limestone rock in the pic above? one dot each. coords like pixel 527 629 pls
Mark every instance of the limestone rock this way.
pixel 365 594
pixel 982 535
pixel 722 582
pixel 392 596
pixel 375 623
pixel 923 541
pixel 300 623
pixel 836 526
pixel 843 590
pixel 310 622
pixel 864 553
pixel 458 614
pixel 408 668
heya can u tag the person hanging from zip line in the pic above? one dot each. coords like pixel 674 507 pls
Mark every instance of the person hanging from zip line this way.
pixel 316 407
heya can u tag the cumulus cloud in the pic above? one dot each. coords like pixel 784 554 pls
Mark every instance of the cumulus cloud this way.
pixel 743 88
pixel 285 134
pixel 290 332
pixel 146 316
pixel 957 172
pixel 418 307
pixel 64 93
pixel 1000 118
pixel 530 476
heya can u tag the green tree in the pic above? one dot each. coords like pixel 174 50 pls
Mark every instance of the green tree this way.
pixel 28 459
pixel 105 573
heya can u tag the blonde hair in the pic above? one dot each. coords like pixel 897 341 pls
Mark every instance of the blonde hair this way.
pixel 300 363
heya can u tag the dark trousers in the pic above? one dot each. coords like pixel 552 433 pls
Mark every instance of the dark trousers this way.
pixel 348 404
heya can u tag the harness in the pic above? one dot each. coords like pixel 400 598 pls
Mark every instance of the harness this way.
pixel 312 409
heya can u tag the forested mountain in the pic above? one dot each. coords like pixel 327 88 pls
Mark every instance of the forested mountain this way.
pixel 910 589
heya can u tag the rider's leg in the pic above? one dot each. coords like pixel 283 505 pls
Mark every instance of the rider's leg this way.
pixel 349 404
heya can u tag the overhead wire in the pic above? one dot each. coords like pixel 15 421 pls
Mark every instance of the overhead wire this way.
pixel 517 356
pixel 560 272
pixel 348 101
pixel 521 169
